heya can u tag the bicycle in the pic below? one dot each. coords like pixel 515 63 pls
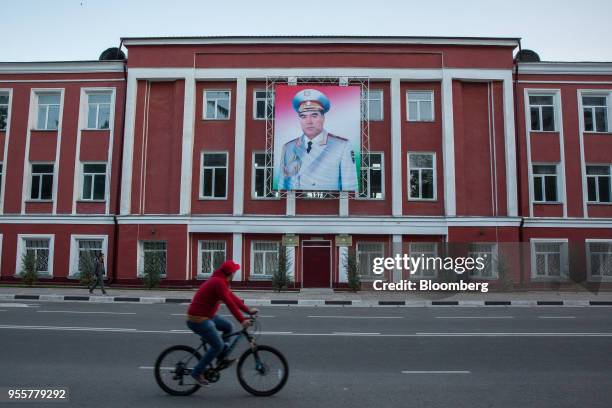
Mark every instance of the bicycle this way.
pixel 259 363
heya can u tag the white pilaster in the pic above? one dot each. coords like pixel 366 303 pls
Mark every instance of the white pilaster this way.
pixel 344 205
pixel 128 144
pixel 290 203
pixel 187 151
pixel 397 250
pixel 342 269
pixel 239 145
pixel 291 261
pixel 396 148
pixel 448 150
pixel 237 254
pixel 510 150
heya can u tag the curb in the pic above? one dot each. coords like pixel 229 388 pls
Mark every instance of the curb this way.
pixel 319 302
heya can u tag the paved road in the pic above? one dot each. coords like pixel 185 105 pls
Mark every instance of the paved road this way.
pixel 357 357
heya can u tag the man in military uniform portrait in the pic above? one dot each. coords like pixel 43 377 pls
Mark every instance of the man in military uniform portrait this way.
pixel 316 160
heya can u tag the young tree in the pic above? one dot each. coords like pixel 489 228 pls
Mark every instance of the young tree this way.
pixel 86 268
pixel 154 268
pixel 281 279
pixel 352 270
pixel 29 272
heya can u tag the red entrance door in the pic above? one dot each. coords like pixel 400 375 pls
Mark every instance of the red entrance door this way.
pixel 316 264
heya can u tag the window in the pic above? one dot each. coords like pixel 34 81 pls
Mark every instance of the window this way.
pixel 263 104
pixel 372 176
pixel 42 182
pixel 40 247
pixel 421 171
pixel 545 183
pixel 542 110
pixel 153 255
pixel 599 259
pixel 264 259
pixel 48 111
pixel 214 175
pixel 212 255
pixel 598 184
pixel 89 249
pixel 98 110
pixel 595 109
pixel 94 181
pixel 488 252
pixel 216 105
pixel 262 177
pixel 420 106
pixel 4 103
pixel 366 252
pixel 426 250
pixel 373 100
pixel 549 260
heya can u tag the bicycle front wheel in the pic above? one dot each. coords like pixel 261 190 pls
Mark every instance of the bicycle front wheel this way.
pixel 262 371
pixel 173 368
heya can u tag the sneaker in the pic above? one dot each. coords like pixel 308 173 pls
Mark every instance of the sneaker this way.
pixel 201 380
pixel 226 362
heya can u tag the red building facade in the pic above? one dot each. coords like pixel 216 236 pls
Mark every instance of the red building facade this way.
pixel 165 154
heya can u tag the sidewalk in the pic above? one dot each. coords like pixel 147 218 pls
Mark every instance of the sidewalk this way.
pixel 319 297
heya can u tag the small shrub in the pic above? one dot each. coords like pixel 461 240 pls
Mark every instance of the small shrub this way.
pixel 29 273
pixel 86 269
pixel 352 270
pixel 154 268
pixel 281 277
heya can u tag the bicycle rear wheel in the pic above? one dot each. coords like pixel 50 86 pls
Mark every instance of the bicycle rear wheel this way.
pixel 173 368
pixel 262 371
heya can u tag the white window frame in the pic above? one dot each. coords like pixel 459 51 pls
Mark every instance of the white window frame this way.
pixel 369 275
pixel 199 274
pixel 590 276
pixel 82 182
pixel 88 93
pixel 252 274
pixel 73 271
pixel 558 183
pixel 276 194
pixel 587 175
pixel 6 105
pixel 420 275
pixel 21 238
pixel 435 175
pixel 367 99
pixel 268 99
pixel 494 254
pixel 597 94
pixel 141 253
pixel 360 196
pixel 418 102
pixel 229 104
pixel 45 200
pixel 564 260
pixel 47 105
pixel 555 105
pixel 202 167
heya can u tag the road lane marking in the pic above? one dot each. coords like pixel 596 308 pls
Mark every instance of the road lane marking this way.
pixel 17 305
pixel 68 328
pixel 436 372
pixel 357 317
pixel 507 334
pixel 354 334
pixel 77 312
pixel 153 368
pixel 556 317
pixel 474 317
pixel 223 315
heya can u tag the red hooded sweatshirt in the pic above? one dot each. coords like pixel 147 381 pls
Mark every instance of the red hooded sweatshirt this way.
pixel 211 293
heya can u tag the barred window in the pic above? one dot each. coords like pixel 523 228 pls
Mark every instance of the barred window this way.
pixel 595 110
pixel 421 171
pixel 542 110
pixel 212 255
pixel 48 111
pixel 89 250
pixel 264 259
pixel 263 104
pixel 366 252
pixel 40 247
pixel 153 254
pixel 426 250
pixel 600 259
pixel 599 184
pixel 216 105
pixel 488 253
pixel 550 260
pixel 372 171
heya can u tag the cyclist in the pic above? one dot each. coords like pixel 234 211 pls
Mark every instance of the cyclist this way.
pixel 202 317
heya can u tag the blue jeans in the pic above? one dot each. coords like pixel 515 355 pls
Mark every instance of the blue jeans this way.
pixel 208 330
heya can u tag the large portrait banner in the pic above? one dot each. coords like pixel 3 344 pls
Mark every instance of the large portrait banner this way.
pixel 317 138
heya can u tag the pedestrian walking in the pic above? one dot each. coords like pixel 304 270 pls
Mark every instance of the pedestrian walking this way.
pixel 99 272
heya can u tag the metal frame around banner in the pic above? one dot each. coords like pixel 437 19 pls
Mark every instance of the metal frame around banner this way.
pixel 364 83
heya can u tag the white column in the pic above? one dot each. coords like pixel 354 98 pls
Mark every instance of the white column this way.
pixel 291 261
pixel 344 205
pixel 239 145
pixel 128 144
pixel 396 148
pixel 448 151
pixel 397 249
pixel 510 142
pixel 342 269
pixel 187 151
pixel 237 254
pixel 290 203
